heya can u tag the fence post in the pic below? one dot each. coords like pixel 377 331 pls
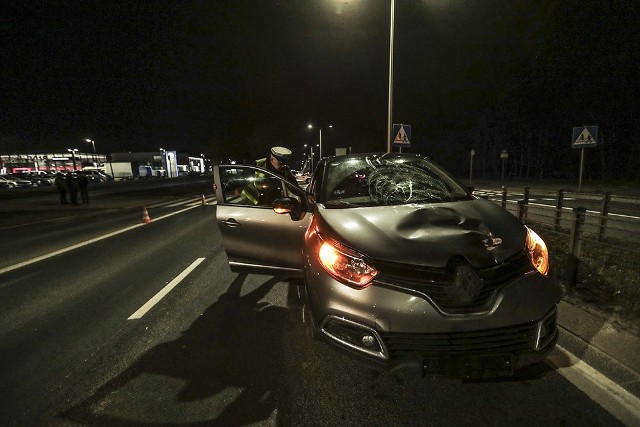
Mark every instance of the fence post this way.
pixel 522 210
pixel 604 214
pixel 504 196
pixel 575 244
pixel 559 200
pixel 526 195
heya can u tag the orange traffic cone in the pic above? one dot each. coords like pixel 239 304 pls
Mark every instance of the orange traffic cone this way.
pixel 145 216
pixel 204 201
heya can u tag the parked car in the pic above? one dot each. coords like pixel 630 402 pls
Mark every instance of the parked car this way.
pixel 95 175
pixel 19 182
pixel 402 265
pixel 37 179
pixel 6 183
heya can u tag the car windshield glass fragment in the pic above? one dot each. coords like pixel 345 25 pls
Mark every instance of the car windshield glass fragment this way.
pixel 388 180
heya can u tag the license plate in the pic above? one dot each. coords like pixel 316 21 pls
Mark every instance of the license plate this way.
pixel 471 366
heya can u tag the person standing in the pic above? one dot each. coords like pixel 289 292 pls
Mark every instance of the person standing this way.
pixel 72 184
pixel 61 186
pixel 83 184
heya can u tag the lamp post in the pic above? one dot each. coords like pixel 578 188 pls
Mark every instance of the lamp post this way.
pixel 310 157
pixel 73 156
pixel 310 126
pixel 93 144
pixel 164 161
pixel 390 103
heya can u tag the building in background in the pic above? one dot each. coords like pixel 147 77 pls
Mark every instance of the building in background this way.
pixel 125 165
pixel 51 161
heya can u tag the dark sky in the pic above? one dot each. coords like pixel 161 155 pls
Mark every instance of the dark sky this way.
pixel 231 78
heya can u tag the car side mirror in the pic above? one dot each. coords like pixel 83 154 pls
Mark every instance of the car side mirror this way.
pixel 288 205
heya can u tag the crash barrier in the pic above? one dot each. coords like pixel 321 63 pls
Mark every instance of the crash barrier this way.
pixel 591 249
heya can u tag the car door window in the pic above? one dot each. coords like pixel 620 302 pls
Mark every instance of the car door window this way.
pixel 249 186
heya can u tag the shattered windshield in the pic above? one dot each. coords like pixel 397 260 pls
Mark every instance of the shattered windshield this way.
pixel 387 180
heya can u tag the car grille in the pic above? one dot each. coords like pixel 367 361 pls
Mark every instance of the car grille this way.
pixel 513 340
pixel 435 283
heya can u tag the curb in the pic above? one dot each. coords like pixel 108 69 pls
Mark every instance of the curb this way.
pixel 597 342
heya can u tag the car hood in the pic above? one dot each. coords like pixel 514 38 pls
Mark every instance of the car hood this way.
pixel 427 235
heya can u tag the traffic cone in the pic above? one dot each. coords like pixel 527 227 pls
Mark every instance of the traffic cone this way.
pixel 204 201
pixel 145 216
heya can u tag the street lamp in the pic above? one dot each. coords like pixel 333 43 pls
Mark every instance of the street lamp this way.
pixel 310 126
pixel 390 103
pixel 93 143
pixel 310 157
pixel 73 156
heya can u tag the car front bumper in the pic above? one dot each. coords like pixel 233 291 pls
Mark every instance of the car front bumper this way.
pixel 392 327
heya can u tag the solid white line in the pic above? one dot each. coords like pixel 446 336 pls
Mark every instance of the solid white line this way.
pixel 157 297
pixel 615 399
pixel 85 243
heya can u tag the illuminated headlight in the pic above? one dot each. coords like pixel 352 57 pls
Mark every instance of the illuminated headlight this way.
pixel 345 264
pixel 537 250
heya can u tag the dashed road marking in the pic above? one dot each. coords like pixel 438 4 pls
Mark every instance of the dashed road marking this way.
pixel 164 291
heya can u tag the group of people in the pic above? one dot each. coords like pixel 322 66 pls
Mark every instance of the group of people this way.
pixel 72 183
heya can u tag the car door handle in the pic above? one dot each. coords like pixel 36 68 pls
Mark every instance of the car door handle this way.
pixel 231 222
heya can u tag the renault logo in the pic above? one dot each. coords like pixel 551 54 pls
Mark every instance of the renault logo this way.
pixel 465 287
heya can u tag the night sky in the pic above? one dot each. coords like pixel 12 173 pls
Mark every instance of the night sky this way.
pixel 230 78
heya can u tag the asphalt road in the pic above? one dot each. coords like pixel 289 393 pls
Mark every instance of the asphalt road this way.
pixel 84 342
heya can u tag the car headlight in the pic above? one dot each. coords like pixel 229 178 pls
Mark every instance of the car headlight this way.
pixel 344 264
pixel 537 250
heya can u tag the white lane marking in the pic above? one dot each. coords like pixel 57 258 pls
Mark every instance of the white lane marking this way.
pixel 613 398
pixel 85 243
pixel 157 297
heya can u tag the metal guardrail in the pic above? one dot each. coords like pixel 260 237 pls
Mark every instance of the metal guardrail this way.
pixel 609 237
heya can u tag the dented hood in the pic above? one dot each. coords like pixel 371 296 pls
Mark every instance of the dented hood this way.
pixel 429 234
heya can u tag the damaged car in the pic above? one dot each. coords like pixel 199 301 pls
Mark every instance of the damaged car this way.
pixel 403 267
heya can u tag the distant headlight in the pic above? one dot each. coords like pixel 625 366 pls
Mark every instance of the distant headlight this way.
pixel 538 253
pixel 344 264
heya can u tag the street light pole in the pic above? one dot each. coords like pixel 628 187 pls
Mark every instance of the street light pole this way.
pixel 93 143
pixel 73 156
pixel 390 104
pixel 309 158
pixel 310 126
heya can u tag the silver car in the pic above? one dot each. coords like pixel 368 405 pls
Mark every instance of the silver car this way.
pixel 18 182
pixel 402 265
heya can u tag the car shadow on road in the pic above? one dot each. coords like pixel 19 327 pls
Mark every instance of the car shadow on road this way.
pixel 232 350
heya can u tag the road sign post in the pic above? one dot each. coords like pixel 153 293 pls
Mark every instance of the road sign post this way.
pixel 471 154
pixel 504 156
pixel 584 137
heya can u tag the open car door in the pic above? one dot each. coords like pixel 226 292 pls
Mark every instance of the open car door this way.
pixel 255 237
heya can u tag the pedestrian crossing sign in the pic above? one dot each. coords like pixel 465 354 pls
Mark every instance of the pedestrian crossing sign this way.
pixel 402 135
pixel 585 136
